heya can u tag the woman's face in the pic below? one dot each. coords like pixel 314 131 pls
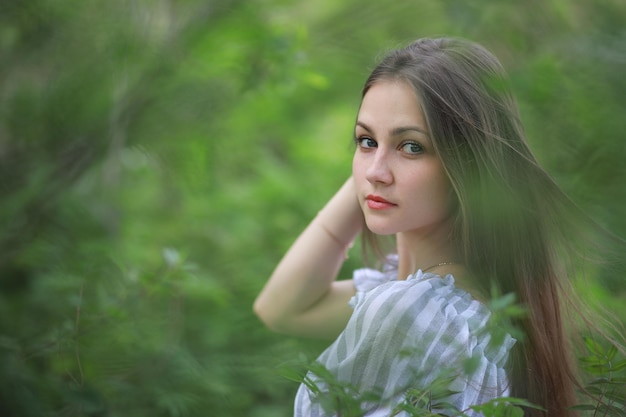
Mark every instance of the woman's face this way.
pixel 400 181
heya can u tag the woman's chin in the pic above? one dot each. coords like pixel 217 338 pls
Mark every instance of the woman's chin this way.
pixel 379 229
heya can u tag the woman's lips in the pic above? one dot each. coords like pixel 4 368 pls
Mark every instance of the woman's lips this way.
pixel 378 203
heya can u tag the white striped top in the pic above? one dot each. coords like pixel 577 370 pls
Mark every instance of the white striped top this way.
pixel 405 335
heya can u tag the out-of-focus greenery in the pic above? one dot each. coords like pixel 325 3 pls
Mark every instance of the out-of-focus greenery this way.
pixel 158 157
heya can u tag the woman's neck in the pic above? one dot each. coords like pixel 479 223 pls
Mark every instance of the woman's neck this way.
pixel 432 250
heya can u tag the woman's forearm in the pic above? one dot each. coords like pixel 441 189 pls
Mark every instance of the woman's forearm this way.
pixel 300 290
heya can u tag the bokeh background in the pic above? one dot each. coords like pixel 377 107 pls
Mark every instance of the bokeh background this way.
pixel 158 157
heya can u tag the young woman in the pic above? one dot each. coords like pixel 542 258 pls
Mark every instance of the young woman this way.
pixel 441 162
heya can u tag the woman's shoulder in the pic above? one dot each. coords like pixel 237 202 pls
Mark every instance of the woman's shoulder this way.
pixel 419 291
pixel 429 311
pixel 424 294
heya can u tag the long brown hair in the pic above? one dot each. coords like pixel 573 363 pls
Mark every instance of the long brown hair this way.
pixel 513 225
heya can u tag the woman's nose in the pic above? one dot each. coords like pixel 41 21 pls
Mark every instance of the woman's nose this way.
pixel 379 171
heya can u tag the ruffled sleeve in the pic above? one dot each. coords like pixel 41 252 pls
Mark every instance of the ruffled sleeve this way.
pixel 366 279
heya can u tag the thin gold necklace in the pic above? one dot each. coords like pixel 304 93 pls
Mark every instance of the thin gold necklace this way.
pixel 439 264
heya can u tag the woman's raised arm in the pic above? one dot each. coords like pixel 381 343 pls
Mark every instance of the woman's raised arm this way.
pixel 302 296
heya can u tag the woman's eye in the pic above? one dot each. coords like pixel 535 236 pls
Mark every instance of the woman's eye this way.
pixel 366 142
pixel 412 148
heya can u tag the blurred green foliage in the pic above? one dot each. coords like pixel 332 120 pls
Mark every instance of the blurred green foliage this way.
pixel 158 157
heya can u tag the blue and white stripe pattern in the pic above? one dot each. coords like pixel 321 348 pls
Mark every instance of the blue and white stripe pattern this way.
pixel 405 334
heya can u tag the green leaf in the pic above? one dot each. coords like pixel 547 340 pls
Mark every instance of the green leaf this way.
pixel 593 346
pixel 611 410
pixel 584 407
pixel 618 366
pixel 502 302
pixel 611 352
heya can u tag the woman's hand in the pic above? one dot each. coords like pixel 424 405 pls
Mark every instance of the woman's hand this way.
pixel 302 296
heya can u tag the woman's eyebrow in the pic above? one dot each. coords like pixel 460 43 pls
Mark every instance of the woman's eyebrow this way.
pixel 400 130
pixel 363 125
pixel 396 131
